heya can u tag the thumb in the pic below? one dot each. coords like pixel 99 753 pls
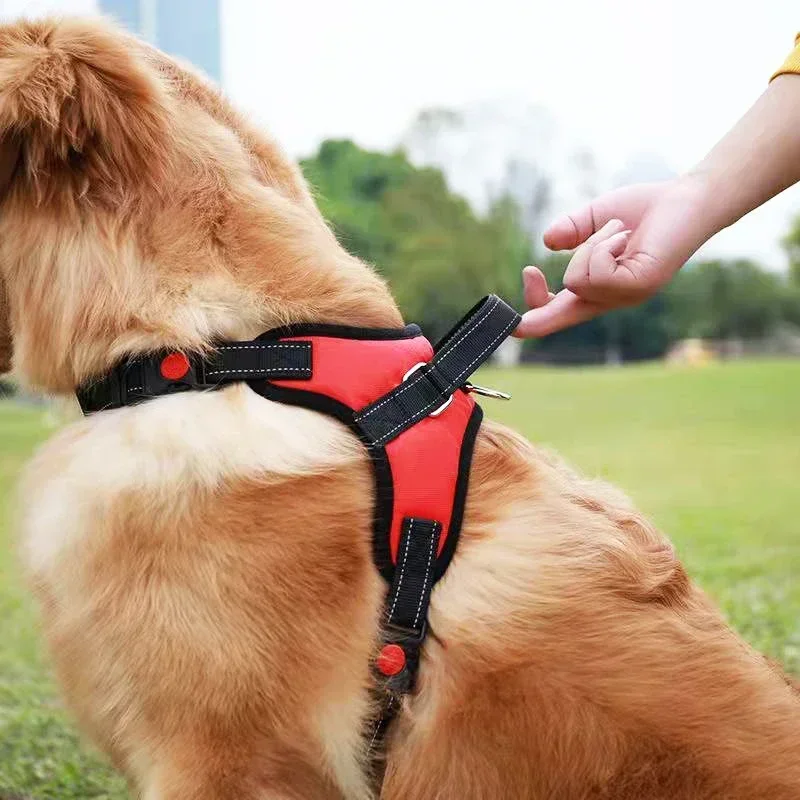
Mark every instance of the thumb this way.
pixel 571 230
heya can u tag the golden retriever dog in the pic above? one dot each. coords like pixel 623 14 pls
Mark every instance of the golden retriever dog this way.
pixel 203 561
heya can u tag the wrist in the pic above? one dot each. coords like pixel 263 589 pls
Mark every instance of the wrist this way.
pixel 711 194
pixel 690 210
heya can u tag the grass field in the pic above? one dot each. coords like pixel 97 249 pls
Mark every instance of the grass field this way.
pixel 713 455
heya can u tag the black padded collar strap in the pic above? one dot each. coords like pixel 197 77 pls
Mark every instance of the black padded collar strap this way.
pixel 152 376
pixel 468 345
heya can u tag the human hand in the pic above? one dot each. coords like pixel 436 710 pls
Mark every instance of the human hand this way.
pixel 630 242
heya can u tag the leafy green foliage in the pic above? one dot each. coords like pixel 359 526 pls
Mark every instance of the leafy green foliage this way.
pixel 792 246
pixel 436 253
pixel 721 300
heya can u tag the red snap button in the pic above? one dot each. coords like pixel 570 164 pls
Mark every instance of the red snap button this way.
pixel 391 660
pixel 174 366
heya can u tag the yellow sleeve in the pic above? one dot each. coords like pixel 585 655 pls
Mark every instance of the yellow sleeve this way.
pixel 792 63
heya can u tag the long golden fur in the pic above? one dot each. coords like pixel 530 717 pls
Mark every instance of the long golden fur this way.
pixel 203 561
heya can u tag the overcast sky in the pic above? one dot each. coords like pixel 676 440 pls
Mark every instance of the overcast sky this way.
pixel 629 79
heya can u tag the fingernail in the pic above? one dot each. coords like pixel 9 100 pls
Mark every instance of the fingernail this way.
pixel 562 224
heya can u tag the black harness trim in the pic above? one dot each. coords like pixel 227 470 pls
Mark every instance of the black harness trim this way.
pixel 426 390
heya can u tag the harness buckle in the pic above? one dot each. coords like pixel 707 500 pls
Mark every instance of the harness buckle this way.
pixel 411 637
pixel 444 405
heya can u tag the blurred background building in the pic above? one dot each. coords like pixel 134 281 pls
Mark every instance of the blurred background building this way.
pixel 188 29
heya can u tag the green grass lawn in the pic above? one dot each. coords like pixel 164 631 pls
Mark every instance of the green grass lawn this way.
pixel 712 455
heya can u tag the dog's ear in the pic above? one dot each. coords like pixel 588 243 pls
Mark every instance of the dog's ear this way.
pixel 90 113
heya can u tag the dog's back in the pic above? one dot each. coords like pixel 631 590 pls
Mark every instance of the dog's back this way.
pixel 203 561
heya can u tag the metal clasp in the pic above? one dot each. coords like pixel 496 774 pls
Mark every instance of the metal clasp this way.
pixel 444 405
pixel 484 392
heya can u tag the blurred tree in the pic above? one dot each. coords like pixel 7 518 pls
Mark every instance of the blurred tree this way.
pixel 427 136
pixel 490 149
pixel 792 245
pixel 790 307
pixel 437 254
pixel 726 300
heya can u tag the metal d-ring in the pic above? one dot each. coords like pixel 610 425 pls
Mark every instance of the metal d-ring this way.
pixel 444 405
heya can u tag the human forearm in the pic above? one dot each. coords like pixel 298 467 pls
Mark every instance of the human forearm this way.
pixel 756 160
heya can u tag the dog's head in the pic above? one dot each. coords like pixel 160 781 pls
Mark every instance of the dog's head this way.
pixel 139 211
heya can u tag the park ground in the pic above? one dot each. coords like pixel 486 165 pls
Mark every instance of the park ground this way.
pixel 711 454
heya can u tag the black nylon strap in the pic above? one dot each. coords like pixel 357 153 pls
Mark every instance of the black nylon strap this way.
pixel 258 359
pixel 456 357
pixel 134 381
pixel 407 614
pixel 407 604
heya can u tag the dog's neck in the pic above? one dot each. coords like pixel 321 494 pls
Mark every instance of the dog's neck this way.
pixel 81 325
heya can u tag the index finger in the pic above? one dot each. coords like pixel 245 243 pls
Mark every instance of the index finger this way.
pixel 563 311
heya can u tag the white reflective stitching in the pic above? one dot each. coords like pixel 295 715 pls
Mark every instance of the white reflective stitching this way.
pixel 403 567
pixel 491 344
pixel 481 317
pixel 266 346
pixel 410 421
pixel 412 382
pixel 502 334
pixel 427 574
pixel 271 369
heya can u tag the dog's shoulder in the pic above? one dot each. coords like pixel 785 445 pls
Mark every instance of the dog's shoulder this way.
pixel 164 451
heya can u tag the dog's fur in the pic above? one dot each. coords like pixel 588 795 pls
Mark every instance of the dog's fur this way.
pixel 203 561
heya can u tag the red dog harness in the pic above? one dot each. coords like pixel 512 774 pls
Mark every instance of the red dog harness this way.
pixel 410 405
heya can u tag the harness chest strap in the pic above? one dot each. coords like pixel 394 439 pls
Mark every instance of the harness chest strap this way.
pixel 408 402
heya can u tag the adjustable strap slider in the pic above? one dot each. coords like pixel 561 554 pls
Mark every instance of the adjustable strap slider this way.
pixel 431 374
